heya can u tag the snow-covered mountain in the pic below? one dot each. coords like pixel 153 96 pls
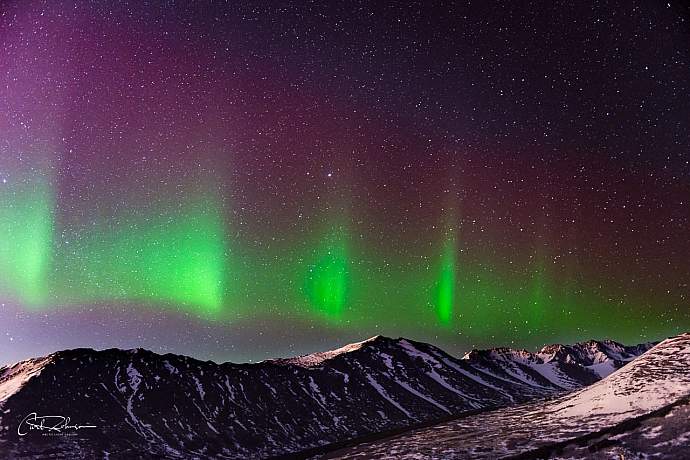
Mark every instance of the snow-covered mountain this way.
pixel 565 366
pixel 639 411
pixel 138 404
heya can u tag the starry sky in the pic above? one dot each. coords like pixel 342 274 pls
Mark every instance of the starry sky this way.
pixel 244 180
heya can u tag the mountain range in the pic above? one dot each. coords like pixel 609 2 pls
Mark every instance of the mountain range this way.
pixel 640 411
pixel 139 404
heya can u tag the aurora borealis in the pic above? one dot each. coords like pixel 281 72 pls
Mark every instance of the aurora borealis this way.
pixel 27 226
pixel 240 181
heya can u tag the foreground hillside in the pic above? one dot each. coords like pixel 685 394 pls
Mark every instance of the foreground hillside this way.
pixel 137 404
pixel 640 411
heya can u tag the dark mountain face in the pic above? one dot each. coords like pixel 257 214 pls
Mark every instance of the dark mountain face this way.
pixel 141 404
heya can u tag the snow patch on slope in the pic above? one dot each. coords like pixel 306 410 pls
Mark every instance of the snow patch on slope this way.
pixel 384 394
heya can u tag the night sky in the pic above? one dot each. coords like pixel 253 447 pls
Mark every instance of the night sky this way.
pixel 243 181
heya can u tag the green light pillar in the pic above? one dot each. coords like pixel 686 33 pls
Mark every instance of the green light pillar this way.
pixel 328 276
pixel 447 280
pixel 26 236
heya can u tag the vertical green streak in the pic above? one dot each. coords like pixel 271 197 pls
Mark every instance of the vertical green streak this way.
pixel 328 276
pixel 445 289
pixel 26 235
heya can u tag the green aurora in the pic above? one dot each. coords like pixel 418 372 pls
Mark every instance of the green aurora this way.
pixel 327 279
pixel 447 281
pixel 180 257
pixel 27 227
pixel 177 257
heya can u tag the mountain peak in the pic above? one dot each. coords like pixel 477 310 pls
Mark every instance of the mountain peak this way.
pixel 15 376
pixel 318 358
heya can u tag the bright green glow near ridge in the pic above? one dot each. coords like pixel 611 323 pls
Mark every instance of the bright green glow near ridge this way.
pixel 327 279
pixel 174 257
pixel 445 295
pixel 26 233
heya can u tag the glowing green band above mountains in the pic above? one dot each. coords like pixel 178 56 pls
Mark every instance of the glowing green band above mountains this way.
pixel 176 256
pixel 179 257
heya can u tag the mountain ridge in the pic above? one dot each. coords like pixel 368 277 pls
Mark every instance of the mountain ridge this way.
pixel 177 406
pixel 371 340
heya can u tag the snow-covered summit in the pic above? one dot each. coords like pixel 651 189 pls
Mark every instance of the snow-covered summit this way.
pixel 316 359
pixel 15 376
